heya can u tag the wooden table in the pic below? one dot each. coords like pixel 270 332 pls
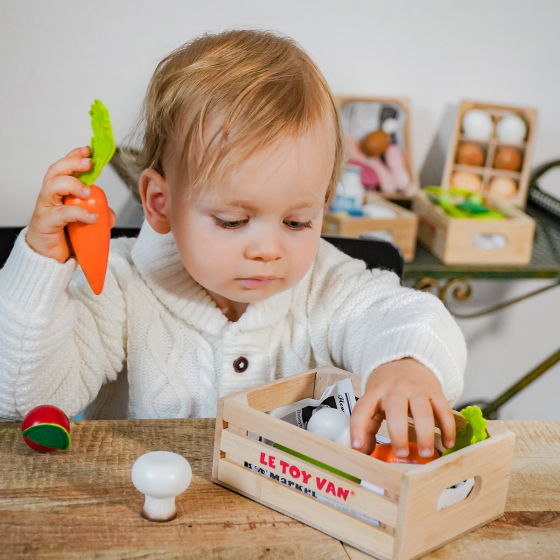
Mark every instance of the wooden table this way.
pixel 81 503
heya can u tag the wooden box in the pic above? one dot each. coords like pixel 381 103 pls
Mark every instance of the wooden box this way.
pixel 492 158
pixel 469 240
pixel 360 116
pixel 406 520
pixel 400 230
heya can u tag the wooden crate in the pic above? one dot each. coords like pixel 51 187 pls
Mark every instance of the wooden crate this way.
pixel 402 228
pixel 487 171
pixel 408 521
pixel 454 240
pixel 403 138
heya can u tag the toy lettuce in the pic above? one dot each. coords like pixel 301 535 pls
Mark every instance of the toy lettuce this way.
pixel 474 430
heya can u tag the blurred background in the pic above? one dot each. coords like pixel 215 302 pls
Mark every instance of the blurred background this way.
pixel 56 57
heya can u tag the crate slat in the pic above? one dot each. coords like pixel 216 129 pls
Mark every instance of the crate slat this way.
pixel 240 449
pixel 321 516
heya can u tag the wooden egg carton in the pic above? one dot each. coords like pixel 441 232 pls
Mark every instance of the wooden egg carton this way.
pixel 368 121
pixel 487 171
pixel 399 520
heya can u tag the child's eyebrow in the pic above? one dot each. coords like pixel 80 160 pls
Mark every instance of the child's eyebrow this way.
pixel 249 205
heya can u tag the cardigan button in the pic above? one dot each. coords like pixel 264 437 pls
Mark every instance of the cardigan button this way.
pixel 241 364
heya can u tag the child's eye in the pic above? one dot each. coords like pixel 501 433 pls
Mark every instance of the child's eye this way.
pixel 292 224
pixel 233 224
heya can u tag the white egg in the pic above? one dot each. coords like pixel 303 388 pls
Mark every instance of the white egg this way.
pixel 511 129
pixel 332 424
pixel 477 124
pixel 390 126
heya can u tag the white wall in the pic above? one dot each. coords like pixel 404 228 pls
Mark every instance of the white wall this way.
pixel 57 56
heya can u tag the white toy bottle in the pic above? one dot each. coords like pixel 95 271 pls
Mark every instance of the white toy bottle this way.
pixel 349 196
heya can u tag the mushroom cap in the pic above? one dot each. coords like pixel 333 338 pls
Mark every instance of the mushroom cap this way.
pixel 161 474
pixel 329 423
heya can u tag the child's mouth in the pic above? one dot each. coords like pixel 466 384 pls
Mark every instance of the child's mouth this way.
pixel 256 282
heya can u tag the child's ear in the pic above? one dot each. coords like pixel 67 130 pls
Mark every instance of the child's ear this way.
pixel 154 192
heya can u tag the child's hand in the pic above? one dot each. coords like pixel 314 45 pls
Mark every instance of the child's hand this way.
pixel 46 234
pixel 394 391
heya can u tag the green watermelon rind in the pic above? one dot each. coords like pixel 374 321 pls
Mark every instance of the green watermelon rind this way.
pixel 38 432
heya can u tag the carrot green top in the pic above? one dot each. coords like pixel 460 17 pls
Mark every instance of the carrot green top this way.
pixel 102 142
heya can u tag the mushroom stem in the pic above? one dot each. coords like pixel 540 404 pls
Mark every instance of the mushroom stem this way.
pixel 159 509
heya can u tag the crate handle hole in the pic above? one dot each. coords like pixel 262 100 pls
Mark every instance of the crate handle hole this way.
pixel 459 492
pixel 490 241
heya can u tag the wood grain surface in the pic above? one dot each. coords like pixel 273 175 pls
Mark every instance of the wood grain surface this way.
pixel 81 503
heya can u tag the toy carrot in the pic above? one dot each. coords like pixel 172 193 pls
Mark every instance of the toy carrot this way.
pixel 90 242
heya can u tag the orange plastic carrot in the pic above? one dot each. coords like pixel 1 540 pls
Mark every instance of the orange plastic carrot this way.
pixel 384 452
pixel 90 242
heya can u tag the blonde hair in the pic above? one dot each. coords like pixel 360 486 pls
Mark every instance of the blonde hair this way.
pixel 257 85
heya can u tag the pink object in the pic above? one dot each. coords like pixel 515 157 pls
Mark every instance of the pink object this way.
pixel 395 161
pixel 369 177
pixel 386 179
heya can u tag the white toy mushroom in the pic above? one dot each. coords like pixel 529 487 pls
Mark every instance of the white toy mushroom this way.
pixel 160 476
pixel 331 424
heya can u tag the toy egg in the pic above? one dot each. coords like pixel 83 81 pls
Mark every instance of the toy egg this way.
pixel 466 180
pixel 470 153
pixel 375 143
pixel 390 126
pixel 477 124
pixel 511 129
pixel 508 158
pixel 332 424
pixel 502 187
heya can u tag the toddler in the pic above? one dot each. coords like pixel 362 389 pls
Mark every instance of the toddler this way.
pixel 228 284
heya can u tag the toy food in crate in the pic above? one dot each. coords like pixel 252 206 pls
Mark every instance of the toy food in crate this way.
pixel 462 227
pixel 355 212
pixel 391 511
pixel 377 138
pixel 491 150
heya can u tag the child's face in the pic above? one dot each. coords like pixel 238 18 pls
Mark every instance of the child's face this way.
pixel 256 233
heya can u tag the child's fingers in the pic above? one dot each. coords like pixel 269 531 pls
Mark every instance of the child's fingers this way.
pixel 59 187
pixel 113 217
pixel 396 413
pixel 82 151
pixel 446 421
pixel 424 424
pixel 63 215
pixel 361 420
pixel 67 166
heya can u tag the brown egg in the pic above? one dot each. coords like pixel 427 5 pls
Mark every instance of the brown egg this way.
pixel 502 187
pixel 508 158
pixel 469 153
pixel 466 180
pixel 375 143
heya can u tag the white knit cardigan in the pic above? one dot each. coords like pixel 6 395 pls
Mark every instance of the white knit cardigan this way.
pixel 177 351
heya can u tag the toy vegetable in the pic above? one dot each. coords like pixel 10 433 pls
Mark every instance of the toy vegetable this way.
pixel 160 476
pixel 384 452
pixel 46 428
pixel 90 242
pixel 474 430
pixel 462 203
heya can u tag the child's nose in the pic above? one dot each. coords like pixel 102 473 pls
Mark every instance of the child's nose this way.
pixel 266 246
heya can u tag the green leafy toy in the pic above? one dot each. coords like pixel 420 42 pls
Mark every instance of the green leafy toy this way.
pixel 102 142
pixel 474 430
pixel 462 203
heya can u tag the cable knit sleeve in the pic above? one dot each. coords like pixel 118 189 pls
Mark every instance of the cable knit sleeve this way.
pixel 364 318
pixel 60 342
